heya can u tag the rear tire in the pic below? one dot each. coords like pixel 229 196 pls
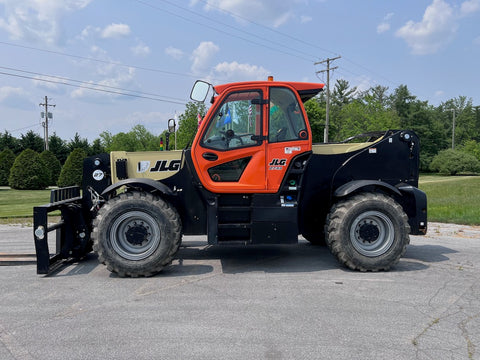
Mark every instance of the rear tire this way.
pixel 368 232
pixel 136 234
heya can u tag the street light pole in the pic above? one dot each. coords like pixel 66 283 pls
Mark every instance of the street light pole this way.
pixel 453 128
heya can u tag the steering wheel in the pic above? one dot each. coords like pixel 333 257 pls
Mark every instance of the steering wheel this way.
pixel 230 135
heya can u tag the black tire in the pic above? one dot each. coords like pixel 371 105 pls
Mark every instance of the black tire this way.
pixel 136 234
pixel 367 232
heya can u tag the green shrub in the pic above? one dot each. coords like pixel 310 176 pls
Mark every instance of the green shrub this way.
pixel 7 158
pixel 71 173
pixel 28 172
pixel 453 162
pixel 53 166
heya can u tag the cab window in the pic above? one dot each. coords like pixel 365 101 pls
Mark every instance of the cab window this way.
pixel 286 121
pixel 236 123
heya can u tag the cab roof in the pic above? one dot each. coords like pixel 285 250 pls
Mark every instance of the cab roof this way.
pixel 305 90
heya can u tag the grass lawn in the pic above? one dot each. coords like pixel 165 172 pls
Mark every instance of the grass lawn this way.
pixel 452 199
pixel 19 203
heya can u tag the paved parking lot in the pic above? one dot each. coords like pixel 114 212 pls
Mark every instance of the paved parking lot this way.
pixel 265 302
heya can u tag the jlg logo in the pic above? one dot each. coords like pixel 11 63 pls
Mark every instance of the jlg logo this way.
pixel 277 164
pixel 163 165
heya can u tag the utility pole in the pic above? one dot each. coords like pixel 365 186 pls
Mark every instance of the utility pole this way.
pixel 453 128
pixel 327 118
pixel 45 123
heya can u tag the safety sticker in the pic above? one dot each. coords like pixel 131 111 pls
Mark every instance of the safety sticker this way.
pixel 291 149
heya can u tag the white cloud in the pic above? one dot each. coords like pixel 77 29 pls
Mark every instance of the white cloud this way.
pixel 362 82
pixel 8 91
pixel 115 31
pixel 469 7
pixel 202 60
pixel 173 52
pixel 47 83
pixel 37 21
pixel 305 19
pixel 109 87
pixel 437 28
pixel 239 72
pixel 140 49
pixel 107 74
pixel 383 27
pixel 385 24
pixel 202 57
pixel 15 97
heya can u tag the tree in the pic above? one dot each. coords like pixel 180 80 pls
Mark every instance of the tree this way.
pixel 78 143
pixel 106 139
pixel 137 139
pixel 7 141
pixel 7 158
pixel 430 132
pixel 32 141
pixel 28 172
pixel 359 117
pixel 188 123
pixel 342 93
pixel 465 119
pixel 401 100
pixel 471 147
pixel 453 162
pixel 58 147
pixel 316 117
pixel 97 147
pixel 72 171
pixel 53 166
pixel 379 95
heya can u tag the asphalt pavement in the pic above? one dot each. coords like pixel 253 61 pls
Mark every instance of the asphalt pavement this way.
pixel 263 302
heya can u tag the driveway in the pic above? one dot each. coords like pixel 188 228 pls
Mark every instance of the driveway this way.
pixel 264 302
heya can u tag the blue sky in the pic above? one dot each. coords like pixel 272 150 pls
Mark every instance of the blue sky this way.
pixel 154 50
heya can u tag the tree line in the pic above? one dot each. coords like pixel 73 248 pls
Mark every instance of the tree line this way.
pixel 353 112
pixel 444 148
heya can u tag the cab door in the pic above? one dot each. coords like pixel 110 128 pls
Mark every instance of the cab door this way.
pixel 250 140
pixel 288 134
pixel 230 152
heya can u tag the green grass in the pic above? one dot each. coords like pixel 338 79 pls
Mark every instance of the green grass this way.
pixel 452 199
pixel 20 203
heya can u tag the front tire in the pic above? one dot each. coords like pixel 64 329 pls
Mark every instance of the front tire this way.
pixel 368 232
pixel 136 234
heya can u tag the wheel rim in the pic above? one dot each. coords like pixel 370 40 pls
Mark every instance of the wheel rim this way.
pixel 135 235
pixel 372 233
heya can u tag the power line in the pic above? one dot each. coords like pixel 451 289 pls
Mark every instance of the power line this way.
pixel 23 128
pixel 298 40
pixel 269 28
pixel 222 31
pixel 92 88
pixel 88 83
pixel 98 60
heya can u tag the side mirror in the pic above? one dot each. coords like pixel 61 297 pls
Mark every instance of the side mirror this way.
pixel 200 91
pixel 171 125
